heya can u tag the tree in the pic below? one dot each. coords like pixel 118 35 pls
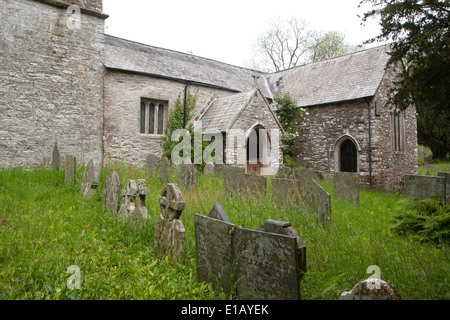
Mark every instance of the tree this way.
pixel 420 36
pixel 283 45
pixel 329 45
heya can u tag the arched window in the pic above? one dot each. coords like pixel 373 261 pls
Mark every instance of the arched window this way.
pixel 348 155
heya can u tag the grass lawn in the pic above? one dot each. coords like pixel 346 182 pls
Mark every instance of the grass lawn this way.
pixel 46 226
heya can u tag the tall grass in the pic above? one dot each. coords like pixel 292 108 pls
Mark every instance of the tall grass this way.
pixel 46 226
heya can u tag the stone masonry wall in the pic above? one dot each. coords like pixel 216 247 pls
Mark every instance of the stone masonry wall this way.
pixel 123 93
pixel 51 83
pixel 325 125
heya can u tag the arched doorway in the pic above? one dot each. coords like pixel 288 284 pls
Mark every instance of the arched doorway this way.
pixel 348 155
pixel 257 143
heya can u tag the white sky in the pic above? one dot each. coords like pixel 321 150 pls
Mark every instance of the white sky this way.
pixel 225 30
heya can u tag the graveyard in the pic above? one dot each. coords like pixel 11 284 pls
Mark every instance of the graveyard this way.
pixel 50 220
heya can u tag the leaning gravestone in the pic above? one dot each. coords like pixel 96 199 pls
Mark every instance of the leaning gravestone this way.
pixel 208 170
pixel 170 234
pixel 164 170
pixel 372 289
pixel 91 178
pixel 346 187
pixel 423 187
pixel 232 178
pixel 252 264
pixel 318 200
pixel 111 193
pixel 71 168
pixel 187 176
pixel 152 163
pixel 56 158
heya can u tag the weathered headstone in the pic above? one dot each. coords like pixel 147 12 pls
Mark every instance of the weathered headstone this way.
pixel 232 178
pixel 371 289
pixel 445 175
pixel 423 187
pixel 302 174
pixel 286 192
pixel 170 234
pixel 218 213
pixel 284 172
pixel 254 184
pixel 91 178
pixel 218 169
pixel 152 163
pixel 128 200
pixel 164 170
pixel 111 193
pixel 133 202
pixel 187 176
pixel 71 168
pixel 257 264
pixel 319 201
pixel 56 158
pixel 346 187
pixel 208 170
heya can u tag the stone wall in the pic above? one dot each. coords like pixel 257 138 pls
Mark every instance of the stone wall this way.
pixel 123 93
pixel 51 83
pixel 326 125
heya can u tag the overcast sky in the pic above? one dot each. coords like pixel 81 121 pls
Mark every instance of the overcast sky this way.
pixel 225 30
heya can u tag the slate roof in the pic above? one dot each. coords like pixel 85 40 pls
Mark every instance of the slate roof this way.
pixel 131 56
pixel 353 76
pixel 221 113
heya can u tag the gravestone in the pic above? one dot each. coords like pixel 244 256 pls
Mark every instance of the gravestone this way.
pixel 152 163
pixel 346 187
pixel 232 178
pixel 371 289
pixel 111 193
pixel 218 169
pixel 218 213
pixel 71 168
pixel 302 174
pixel 56 158
pixel 91 178
pixel 208 170
pixel 133 202
pixel 164 170
pixel 187 176
pixel 254 184
pixel 319 201
pixel 284 172
pixel 286 193
pixel 424 187
pixel 445 175
pixel 170 234
pixel 252 264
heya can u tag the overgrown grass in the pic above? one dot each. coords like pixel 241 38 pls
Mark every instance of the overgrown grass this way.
pixel 46 226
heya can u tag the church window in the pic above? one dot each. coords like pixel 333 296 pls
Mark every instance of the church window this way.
pixel 397 130
pixel 153 117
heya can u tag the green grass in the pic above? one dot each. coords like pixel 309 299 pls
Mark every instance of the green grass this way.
pixel 46 226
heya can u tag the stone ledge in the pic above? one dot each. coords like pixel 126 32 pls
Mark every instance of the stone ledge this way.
pixel 62 5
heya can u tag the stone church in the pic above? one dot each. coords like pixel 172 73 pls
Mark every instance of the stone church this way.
pixel 63 81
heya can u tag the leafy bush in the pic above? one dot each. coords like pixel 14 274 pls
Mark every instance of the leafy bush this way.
pixel 423 220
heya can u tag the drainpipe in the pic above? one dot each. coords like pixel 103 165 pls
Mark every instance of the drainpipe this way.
pixel 370 141
pixel 185 104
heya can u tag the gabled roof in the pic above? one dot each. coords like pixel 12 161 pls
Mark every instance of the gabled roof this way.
pixel 121 54
pixel 353 76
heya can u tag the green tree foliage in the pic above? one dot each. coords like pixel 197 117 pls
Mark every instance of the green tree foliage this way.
pixel 329 45
pixel 419 31
pixel 290 117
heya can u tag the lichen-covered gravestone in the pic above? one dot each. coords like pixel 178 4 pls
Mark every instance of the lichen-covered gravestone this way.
pixel 164 170
pixel 128 199
pixel 187 176
pixel 91 178
pixel 133 202
pixel 232 178
pixel 254 184
pixel 56 158
pixel 346 187
pixel 423 187
pixel 284 172
pixel 71 167
pixel 111 193
pixel 152 163
pixel 170 234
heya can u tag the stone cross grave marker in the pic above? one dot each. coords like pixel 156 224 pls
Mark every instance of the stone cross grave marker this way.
pixel 164 170
pixel 91 178
pixel 71 168
pixel 170 234
pixel 133 202
pixel 423 187
pixel 111 193
pixel 152 163
pixel 187 176
pixel 264 264
pixel 56 158
pixel 346 187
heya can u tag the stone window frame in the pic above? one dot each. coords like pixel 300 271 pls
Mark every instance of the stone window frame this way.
pixel 398 130
pixel 158 103
pixel 337 152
